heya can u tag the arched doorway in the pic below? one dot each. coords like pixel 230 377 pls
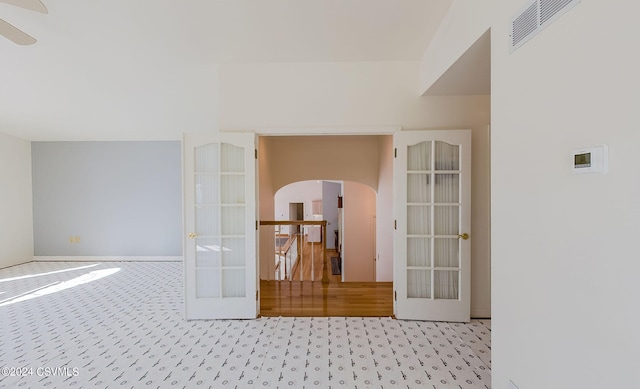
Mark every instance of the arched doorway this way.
pixel 350 211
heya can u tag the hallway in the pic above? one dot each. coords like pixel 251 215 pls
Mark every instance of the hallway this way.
pixel 311 258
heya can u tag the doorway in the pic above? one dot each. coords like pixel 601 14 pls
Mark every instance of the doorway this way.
pixel 369 159
pixel 332 155
pixel 357 159
pixel 296 212
pixel 354 160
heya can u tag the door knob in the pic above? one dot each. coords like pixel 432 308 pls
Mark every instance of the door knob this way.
pixel 192 235
pixel 463 236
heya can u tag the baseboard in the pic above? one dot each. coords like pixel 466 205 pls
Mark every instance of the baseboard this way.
pixel 93 258
pixel 480 313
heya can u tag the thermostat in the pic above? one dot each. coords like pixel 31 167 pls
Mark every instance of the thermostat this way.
pixel 591 160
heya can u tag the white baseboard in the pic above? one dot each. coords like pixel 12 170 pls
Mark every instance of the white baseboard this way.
pixel 92 258
pixel 481 313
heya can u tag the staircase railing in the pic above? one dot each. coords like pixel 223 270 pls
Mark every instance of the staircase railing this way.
pixel 290 252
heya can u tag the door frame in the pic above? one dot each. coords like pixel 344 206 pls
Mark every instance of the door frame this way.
pixel 373 130
pixel 318 131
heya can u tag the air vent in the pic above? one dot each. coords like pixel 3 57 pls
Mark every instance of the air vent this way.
pixel 525 24
pixel 535 16
pixel 551 8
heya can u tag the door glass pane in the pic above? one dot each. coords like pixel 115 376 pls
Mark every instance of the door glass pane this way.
pixel 418 283
pixel 233 189
pixel 207 252
pixel 418 188
pixel 447 188
pixel 233 283
pixel 419 156
pixel 207 221
pixel 446 220
pixel 446 252
pixel 446 284
pixel 418 252
pixel 207 189
pixel 233 252
pixel 208 158
pixel 232 220
pixel 207 283
pixel 418 219
pixel 232 159
pixel 447 156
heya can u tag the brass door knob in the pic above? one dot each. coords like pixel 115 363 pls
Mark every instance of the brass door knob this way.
pixel 463 236
pixel 192 235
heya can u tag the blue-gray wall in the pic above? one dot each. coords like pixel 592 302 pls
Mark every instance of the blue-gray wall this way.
pixel 119 198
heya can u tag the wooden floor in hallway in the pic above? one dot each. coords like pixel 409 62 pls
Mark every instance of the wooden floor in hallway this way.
pixel 318 299
pixel 326 295
pixel 311 265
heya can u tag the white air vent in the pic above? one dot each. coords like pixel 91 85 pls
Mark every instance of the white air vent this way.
pixel 535 16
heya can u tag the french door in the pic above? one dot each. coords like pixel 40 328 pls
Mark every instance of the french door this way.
pixel 432 181
pixel 220 226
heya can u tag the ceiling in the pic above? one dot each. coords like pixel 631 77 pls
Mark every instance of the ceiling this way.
pixel 96 60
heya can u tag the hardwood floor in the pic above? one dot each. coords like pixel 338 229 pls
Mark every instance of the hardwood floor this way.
pixel 312 254
pixel 326 295
pixel 316 298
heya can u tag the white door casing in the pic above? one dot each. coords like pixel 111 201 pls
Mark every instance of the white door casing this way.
pixel 432 201
pixel 220 244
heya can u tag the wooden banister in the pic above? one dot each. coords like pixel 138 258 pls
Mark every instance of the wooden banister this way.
pixel 322 223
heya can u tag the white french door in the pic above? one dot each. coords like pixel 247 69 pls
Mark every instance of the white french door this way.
pixel 432 199
pixel 220 226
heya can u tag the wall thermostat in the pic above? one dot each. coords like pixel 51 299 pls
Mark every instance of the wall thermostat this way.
pixel 591 160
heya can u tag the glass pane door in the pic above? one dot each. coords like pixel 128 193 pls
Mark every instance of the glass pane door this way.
pixel 219 209
pixel 220 238
pixel 431 205
pixel 433 220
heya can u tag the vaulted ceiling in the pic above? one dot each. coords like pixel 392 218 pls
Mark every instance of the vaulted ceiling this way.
pixel 94 58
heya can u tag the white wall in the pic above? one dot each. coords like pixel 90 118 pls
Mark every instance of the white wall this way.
pixel 306 192
pixel 305 96
pixel 359 206
pixel 564 257
pixel 266 210
pixel 384 212
pixel 480 222
pixel 298 192
pixel 16 212
pixel 573 234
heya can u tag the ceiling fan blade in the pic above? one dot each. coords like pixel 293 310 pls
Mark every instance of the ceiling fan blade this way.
pixel 16 35
pixel 33 5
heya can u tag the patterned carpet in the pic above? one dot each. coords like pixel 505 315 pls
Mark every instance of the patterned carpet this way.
pixel 120 324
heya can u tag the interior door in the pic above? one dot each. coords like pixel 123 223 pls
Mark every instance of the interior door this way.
pixel 432 198
pixel 220 226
